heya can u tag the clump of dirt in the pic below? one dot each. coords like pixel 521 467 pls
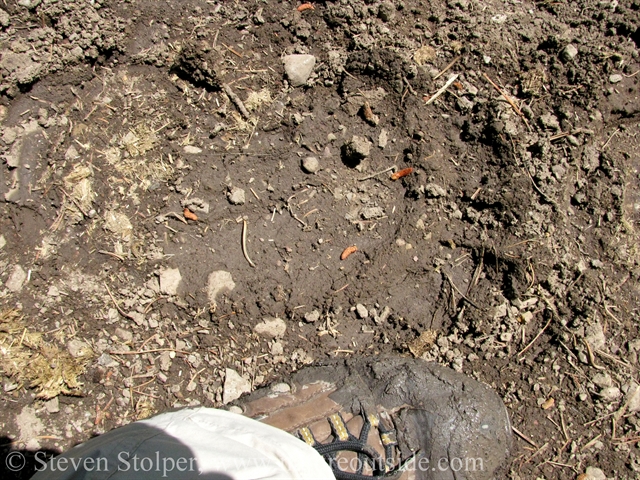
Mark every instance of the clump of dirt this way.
pixel 176 207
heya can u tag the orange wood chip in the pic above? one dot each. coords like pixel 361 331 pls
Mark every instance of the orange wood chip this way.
pixel 306 6
pixel 189 215
pixel 348 251
pixel 402 173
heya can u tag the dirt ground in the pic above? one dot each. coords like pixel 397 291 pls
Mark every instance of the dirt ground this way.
pixel 177 194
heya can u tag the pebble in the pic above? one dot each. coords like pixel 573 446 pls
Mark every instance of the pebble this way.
pixel 594 334
pixel 170 279
pixel 236 196
pixel 383 138
pixel 16 280
pixel 569 53
pixel 234 386
pixel 271 328
pixel 53 405
pixel 281 388
pixel 615 78
pixel 312 317
pixel 610 394
pixel 192 150
pixel 124 335
pixel 356 149
pixel 277 349
pixel 219 282
pixel 165 361
pixel 5 19
pixel 632 399
pixel 433 190
pixel 106 360
pixel 593 473
pixel 602 380
pixel 3 242
pixel 298 68
pixel 310 164
pixel 78 348
pixel 362 311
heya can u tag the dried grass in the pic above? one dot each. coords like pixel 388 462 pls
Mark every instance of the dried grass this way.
pixel 31 361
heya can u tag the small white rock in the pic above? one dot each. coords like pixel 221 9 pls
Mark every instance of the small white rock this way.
pixel 280 388
pixel 594 473
pixel 53 405
pixel 610 394
pixel 310 164
pixel 615 78
pixel 271 328
pixel 362 311
pixel 298 68
pixel 16 280
pixel 383 138
pixel 78 348
pixel 236 196
pixel 569 53
pixel 170 279
pixel 107 361
pixel 190 149
pixel 234 386
pixel 3 242
pixel 312 317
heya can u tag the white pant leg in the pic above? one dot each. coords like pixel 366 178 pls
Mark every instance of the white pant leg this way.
pixel 200 443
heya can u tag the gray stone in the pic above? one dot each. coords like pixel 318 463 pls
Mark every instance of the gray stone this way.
pixel 594 334
pixel 190 149
pixel 594 473
pixel 602 380
pixel 310 164
pixel 124 335
pixel 170 279
pixel 281 388
pixel 383 138
pixel 298 68
pixel 234 386
pixel 356 150
pixel 569 53
pixel 312 317
pixel 78 348
pixel 219 282
pixel 106 360
pixel 5 19
pixel 271 328
pixel 615 78
pixel 53 405
pixel 362 311
pixel 236 196
pixel 165 361
pixel 610 394
pixel 16 280
pixel 433 190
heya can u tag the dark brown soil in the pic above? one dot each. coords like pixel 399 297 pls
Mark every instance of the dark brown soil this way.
pixel 509 253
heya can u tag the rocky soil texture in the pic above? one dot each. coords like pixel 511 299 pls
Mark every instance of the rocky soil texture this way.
pixel 199 197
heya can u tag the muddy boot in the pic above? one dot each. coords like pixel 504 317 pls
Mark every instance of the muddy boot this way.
pixel 390 418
